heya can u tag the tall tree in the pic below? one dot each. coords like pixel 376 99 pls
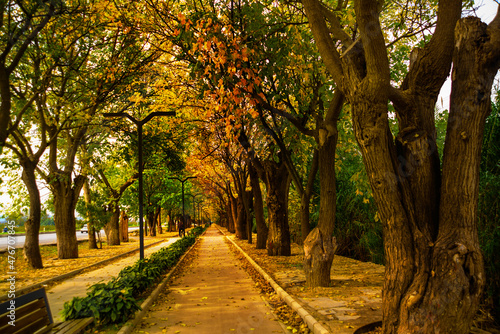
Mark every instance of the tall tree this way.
pixel 434 270
pixel 20 24
pixel 95 73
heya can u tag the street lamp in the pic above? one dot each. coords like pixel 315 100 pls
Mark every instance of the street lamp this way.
pixel 182 181
pixel 139 134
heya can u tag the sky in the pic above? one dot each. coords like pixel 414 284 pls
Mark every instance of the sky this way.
pixel 486 11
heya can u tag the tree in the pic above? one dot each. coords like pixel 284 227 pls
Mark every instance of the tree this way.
pixel 20 24
pixel 95 74
pixel 28 78
pixel 434 274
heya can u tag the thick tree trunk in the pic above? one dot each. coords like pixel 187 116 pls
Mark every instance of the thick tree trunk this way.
pixel 66 195
pixel 241 220
pixel 258 207
pixel 320 245
pixel 277 184
pixel 31 248
pixel 150 221
pixel 112 228
pixel 434 271
pixel 123 226
pixel 456 280
pixel 171 222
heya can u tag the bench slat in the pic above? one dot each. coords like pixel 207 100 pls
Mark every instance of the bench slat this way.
pixel 33 316
pixel 72 326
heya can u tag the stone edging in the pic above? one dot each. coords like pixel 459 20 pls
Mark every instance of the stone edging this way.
pixel 130 325
pixel 73 273
pixel 314 325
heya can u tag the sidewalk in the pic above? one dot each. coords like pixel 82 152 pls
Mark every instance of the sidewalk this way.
pixel 211 295
pixel 77 285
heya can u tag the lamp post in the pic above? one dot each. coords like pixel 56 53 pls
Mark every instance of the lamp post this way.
pixel 182 181
pixel 139 124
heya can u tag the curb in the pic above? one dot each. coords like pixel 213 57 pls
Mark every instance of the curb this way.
pixel 73 273
pixel 311 322
pixel 146 305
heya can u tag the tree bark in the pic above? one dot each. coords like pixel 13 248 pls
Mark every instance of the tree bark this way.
pixel 277 184
pixel 90 221
pixel 241 220
pixel 158 220
pixel 66 195
pixel 124 227
pixel 31 248
pixel 112 228
pixel 320 246
pixel 171 222
pixel 232 214
pixel 434 272
pixel 151 223
pixel 248 203
pixel 258 205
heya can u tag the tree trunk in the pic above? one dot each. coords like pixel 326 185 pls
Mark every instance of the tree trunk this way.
pixel 241 220
pixel 158 220
pixel 124 226
pixel 31 248
pixel 112 228
pixel 248 203
pixel 320 246
pixel 150 221
pixel 454 286
pixel 305 198
pixel 66 195
pixel 258 207
pixel 171 223
pixel 277 184
pixel 90 221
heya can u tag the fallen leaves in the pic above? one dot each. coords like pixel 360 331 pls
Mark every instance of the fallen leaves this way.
pixel 54 267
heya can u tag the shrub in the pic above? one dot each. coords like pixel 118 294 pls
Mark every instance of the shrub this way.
pixel 115 301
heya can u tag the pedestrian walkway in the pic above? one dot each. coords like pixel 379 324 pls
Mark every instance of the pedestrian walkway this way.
pixel 77 285
pixel 212 295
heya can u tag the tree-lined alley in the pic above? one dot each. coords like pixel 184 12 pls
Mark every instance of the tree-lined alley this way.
pixel 312 122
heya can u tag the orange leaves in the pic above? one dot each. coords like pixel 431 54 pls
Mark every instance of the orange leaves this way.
pixel 182 18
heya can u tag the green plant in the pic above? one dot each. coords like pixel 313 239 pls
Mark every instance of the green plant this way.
pixel 114 302
pixel 489 208
pixel 106 302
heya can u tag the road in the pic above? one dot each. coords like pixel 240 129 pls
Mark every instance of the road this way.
pixel 45 238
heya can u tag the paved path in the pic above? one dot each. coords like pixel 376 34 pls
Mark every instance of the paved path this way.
pixel 213 295
pixel 77 285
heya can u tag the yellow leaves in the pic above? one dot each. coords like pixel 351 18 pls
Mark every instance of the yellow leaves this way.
pixel 359 193
pixel 208 45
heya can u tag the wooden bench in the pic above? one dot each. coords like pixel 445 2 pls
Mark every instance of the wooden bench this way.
pixel 30 313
